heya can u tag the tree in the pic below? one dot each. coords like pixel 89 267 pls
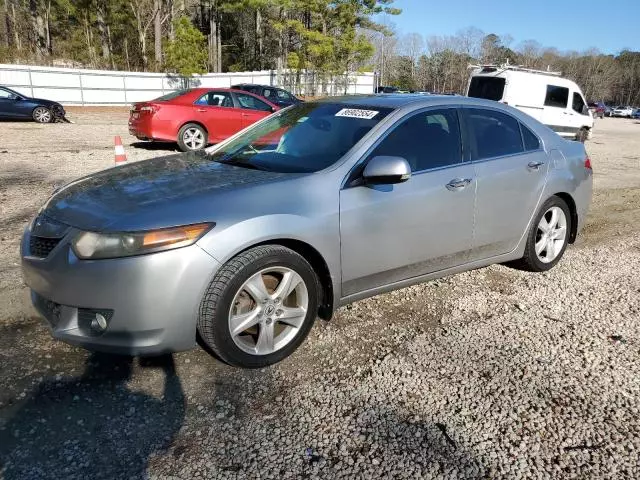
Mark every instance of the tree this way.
pixel 186 55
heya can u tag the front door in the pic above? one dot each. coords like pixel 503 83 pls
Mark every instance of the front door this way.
pixel 391 233
pixel 10 105
pixel 215 109
pixel 511 171
pixel 253 109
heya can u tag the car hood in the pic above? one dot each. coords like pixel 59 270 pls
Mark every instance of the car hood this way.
pixel 44 101
pixel 162 192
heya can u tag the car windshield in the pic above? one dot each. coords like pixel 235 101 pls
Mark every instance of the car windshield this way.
pixel 301 139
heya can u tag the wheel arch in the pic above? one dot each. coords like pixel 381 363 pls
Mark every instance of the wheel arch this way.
pixel 194 122
pixel 573 209
pixel 317 262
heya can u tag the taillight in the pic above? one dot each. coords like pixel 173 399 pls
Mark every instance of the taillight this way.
pixel 149 108
pixel 587 163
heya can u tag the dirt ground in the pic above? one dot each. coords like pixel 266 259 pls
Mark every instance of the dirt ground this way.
pixel 38 374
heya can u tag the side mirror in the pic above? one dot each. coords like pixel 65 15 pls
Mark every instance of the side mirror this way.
pixel 386 170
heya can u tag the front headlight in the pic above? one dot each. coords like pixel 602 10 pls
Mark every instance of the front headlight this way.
pixel 92 245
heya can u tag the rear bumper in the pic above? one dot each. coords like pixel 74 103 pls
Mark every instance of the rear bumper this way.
pixel 151 302
pixel 152 129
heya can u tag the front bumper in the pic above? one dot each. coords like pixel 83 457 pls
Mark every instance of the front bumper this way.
pixel 151 301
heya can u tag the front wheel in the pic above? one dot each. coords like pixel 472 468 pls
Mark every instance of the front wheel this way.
pixel 192 137
pixel 42 115
pixel 548 237
pixel 259 307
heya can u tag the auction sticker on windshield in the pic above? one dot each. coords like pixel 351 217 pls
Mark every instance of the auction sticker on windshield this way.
pixel 357 113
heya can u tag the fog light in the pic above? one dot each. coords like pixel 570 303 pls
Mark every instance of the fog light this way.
pixel 99 323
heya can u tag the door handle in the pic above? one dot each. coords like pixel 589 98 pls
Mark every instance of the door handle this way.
pixel 534 166
pixel 245 114
pixel 201 110
pixel 458 184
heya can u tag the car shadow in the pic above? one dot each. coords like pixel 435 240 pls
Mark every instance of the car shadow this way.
pixel 157 146
pixel 93 423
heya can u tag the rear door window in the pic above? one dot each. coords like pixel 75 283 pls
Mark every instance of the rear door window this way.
pixel 493 134
pixel 215 99
pixel 491 88
pixel 556 96
pixel 531 142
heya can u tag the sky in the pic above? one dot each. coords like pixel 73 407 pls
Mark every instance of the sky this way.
pixel 609 25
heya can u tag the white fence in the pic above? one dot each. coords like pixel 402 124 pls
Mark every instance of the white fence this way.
pixel 72 86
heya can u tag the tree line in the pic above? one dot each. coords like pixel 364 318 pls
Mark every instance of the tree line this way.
pixel 442 63
pixel 328 37
pixel 192 36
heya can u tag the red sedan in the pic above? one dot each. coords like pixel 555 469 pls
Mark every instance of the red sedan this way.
pixel 197 117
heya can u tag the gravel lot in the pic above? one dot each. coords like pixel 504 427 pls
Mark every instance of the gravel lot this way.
pixel 492 373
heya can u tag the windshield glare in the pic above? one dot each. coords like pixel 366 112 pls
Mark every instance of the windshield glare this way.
pixel 301 139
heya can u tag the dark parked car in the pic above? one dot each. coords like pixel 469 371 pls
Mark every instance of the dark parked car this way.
pixel 16 106
pixel 388 89
pixel 636 113
pixel 597 109
pixel 275 95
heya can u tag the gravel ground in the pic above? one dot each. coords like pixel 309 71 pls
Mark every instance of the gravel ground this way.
pixel 493 373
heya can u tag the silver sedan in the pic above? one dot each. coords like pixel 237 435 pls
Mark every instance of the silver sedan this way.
pixel 318 205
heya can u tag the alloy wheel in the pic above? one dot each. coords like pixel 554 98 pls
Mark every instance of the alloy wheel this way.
pixel 268 310
pixel 551 234
pixel 42 115
pixel 193 138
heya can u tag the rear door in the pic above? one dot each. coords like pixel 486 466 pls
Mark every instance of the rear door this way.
pixel 390 233
pixel 252 108
pixel 511 170
pixel 215 109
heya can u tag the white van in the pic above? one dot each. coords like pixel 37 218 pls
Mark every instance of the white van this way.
pixel 546 96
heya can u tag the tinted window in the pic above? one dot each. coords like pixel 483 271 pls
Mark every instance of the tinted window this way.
pixel 578 104
pixel 215 99
pixel 5 94
pixel 495 133
pixel 252 103
pixel 282 95
pixel 557 96
pixel 490 88
pixel 531 142
pixel 172 95
pixel 426 140
pixel 304 138
pixel 267 93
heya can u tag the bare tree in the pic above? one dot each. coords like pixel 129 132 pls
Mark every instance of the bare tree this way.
pixel 144 12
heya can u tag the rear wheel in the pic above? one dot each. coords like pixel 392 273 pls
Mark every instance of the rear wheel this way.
pixel 547 238
pixel 259 307
pixel 192 137
pixel 42 115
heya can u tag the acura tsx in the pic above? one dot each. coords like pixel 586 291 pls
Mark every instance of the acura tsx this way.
pixel 244 245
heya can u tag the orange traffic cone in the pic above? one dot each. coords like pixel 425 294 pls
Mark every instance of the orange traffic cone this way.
pixel 121 157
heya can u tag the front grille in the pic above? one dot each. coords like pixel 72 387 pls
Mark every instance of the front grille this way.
pixel 41 246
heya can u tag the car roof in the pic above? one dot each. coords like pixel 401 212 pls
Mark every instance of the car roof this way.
pixel 400 100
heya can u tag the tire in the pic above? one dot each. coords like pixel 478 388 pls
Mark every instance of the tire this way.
pixel 533 261
pixel 582 135
pixel 228 294
pixel 42 115
pixel 192 137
